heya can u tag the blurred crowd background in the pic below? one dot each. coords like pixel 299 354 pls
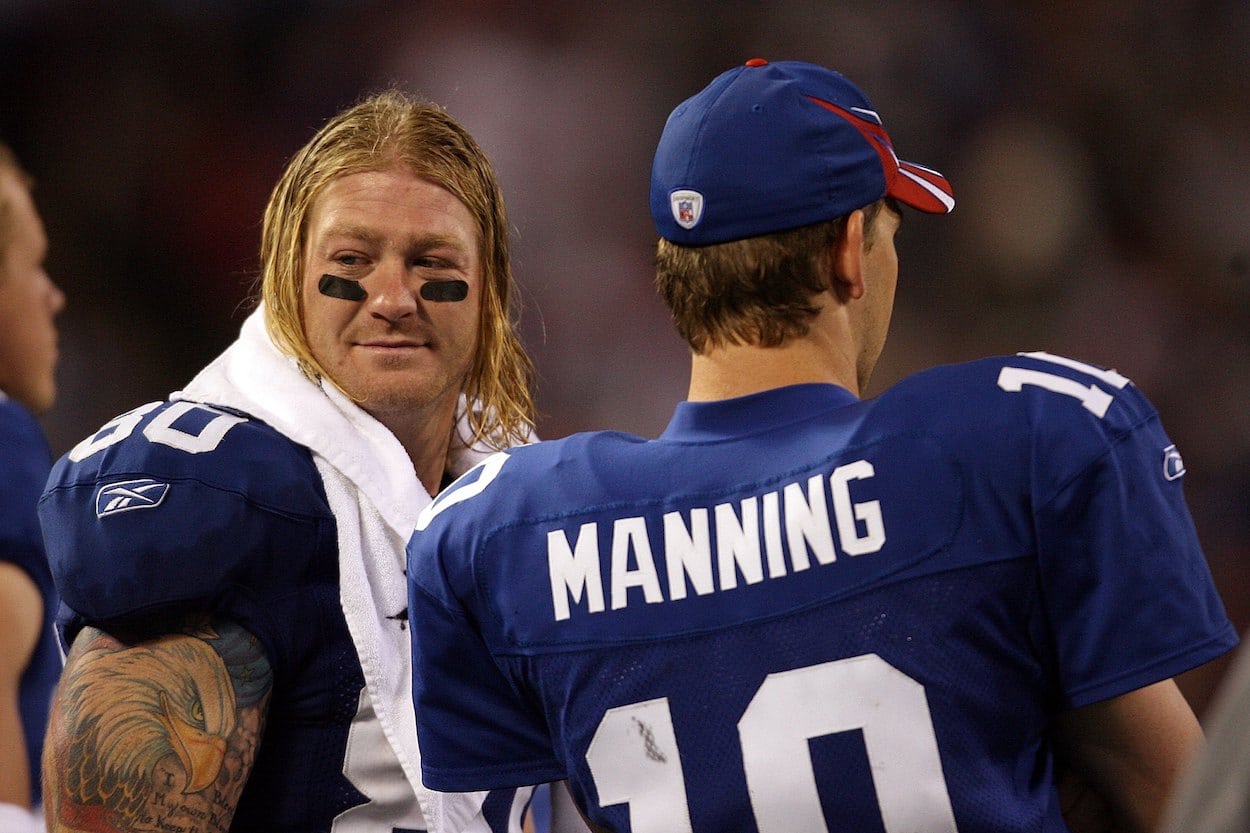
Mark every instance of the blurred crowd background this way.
pixel 1099 150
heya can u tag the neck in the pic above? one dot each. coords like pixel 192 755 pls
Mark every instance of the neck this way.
pixel 822 356
pixel 427 439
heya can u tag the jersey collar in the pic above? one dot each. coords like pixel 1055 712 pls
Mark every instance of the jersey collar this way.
pixel 756 413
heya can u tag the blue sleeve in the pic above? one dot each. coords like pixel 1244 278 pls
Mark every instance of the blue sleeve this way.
pixel 1125 583
pixel 180 508
pixel 24 460
pixel 477 730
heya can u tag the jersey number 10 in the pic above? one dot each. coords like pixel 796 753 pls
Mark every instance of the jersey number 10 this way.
pixel 634 756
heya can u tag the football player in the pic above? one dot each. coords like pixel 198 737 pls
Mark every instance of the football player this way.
pixel 231 560
pixel 29 659
pixel 799 609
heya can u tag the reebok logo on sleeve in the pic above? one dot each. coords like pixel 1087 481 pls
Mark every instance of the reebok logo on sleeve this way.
pixel 145 493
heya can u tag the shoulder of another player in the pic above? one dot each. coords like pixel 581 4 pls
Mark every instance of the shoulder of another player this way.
pixel 569 460
pixel 183 439
pixel 505 489
pixel 16 422
pixel 1036 413
pixel 1033 391
pixel 524 480
pixel 24 455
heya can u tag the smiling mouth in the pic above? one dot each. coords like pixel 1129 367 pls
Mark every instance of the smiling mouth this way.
pixel 391 345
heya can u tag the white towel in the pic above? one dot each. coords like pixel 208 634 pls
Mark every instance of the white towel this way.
pixel 375 496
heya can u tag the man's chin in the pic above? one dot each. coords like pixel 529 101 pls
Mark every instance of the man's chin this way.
pixel 405 401
pixel 399 390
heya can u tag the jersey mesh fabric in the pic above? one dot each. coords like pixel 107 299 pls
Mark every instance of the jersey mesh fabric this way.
pixel 940 629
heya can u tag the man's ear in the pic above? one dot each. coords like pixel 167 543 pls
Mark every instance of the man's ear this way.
pixel 848 258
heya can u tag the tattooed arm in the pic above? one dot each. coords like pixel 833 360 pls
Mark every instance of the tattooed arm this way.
pixel 155 734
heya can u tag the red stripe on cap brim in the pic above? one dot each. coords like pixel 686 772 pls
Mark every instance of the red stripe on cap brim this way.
pixel 924 189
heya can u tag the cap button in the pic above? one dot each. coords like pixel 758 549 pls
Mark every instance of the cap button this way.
pixel 757 62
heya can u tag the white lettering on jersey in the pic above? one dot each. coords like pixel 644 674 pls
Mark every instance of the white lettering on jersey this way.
pixel 161 429
pixel 575 570
pixel 111 433
pixel 486 472
pixel 738 544
pixel 1095 399
pixel 688 553
pixel 631 534
pixel 772 536
pixel 1116 380
pixel 869 513
pixel 807 523
pixel 692 561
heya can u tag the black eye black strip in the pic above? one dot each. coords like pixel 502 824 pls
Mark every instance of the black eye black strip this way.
pixel 335 287
pixel 445 290
pixel 348 290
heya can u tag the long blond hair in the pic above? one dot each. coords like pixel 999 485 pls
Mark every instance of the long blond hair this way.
pixel 383 130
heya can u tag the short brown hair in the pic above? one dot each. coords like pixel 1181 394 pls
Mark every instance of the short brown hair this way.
pixel 387 129
pixel 758 290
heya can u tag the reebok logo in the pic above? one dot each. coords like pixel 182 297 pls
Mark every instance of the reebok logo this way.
pixel 129 494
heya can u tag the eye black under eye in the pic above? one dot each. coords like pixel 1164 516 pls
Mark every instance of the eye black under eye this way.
pixel 456 290
pixel 333 286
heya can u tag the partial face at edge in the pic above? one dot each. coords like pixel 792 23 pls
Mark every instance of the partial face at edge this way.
pixel 29 303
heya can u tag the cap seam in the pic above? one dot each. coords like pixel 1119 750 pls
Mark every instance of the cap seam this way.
pixel 697 141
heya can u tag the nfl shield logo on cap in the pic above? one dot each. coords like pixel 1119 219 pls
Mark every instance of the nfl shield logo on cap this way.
pixel 687 208
pixel 770 146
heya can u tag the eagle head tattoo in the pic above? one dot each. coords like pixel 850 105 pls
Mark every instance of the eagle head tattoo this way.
pixel 139 706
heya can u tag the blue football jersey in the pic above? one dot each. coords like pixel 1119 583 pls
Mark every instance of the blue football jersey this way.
pixel 178 508
pixel 24 461
pixel 798 610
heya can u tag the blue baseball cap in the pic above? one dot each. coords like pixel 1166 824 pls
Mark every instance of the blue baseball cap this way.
pixel 773 146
